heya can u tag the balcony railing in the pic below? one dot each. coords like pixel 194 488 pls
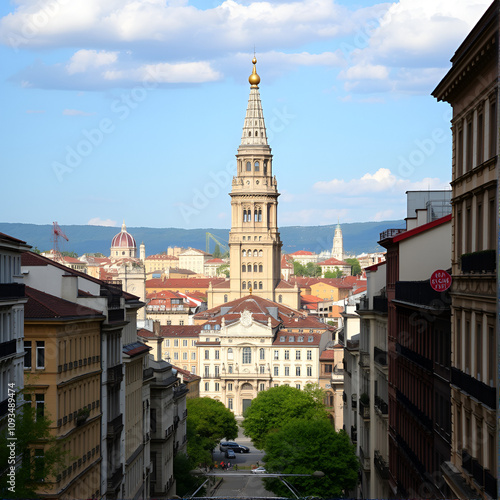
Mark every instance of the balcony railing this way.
pixel 380 303
pixel 115 479
pixel 390 233
pixel 382 406
pixel 115 374
pixel 116 315
pixel 7 348
pixel 114 427
pixel 478 262
pixel 381 465
pixel 474 387
pixel 364 410
pixel 12 290
pixel 418 414
pixel 414 356
pixel 364 459
pixel 364 359
pixel 421 292
pixel 147 373
pixel 380 356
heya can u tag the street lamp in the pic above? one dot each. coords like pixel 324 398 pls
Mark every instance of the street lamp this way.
pixel 292 488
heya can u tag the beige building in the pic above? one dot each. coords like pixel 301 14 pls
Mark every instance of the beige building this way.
pixel 332 265
pixel 471 87
pixel 251 344
pixel 254 239
pixel 194 260
pixel 331 380
pixel 160 263
pixel 62 370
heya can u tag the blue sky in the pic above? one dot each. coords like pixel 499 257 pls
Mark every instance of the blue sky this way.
pixel 133 109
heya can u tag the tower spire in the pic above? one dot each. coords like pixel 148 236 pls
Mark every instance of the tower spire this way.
pixel 254 128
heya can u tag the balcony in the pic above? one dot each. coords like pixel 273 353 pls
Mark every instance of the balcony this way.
pixel 390 233
pixel 364 459
pixel 380 303
pixel 12 291
pixel 381 465
pixel 115 374
pixel 354 434
pixel 380 356
pixel 415 357
pixel 381 405
pixel 364 409
pixel 364 360
pixel 147 373
pixel 421 293
pixel 116 315
pixel 241 376
pixel 114 481
pixel 7 348
pixel 418 415
pixel 352 344
pixel 115 426
pixel 180 391
pixel 169 432
pixel 478 262
pixel 474 387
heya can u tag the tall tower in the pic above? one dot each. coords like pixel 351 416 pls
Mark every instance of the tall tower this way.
pixel 338 244
pixel 254 240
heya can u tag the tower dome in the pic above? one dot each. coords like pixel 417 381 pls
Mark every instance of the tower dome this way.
pixel 123 244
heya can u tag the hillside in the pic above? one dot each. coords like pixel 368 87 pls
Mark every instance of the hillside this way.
pixel 358 237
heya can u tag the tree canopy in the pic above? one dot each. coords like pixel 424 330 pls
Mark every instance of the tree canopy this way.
pixel 208 422
pixel 310 269
pixel 276 406
pixel 32 430
pixel 337 273
pixel 304 446
pixel 355 266
pixel 216 253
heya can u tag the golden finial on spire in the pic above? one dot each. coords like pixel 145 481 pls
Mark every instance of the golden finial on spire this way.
pixel 254 78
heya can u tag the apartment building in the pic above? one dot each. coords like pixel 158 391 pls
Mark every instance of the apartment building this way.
pixel 471 88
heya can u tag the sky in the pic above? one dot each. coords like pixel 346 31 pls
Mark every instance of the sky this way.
pixel 132 110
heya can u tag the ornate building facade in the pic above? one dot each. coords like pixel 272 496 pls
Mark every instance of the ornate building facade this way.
pixel 254 239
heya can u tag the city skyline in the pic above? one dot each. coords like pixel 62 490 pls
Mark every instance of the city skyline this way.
pixel 134 110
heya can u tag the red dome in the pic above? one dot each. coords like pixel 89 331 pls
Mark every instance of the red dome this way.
pixel 123 239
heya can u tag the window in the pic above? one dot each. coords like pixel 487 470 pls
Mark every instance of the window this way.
pixel 184 343
pixel 480 139
pixel 249 166
pixel 181 322
pixel 261 268
pixel 176 343
pixel 193 370
pixel 39 456
pixel 262 354
pixel 328 368
pixel 207 354
pixel 276 355
pixel 230 368
pixel 243 268
pixel 291 339
pixel 27 355
pixel 287 354
pixel 39 405
pixel 247 355
pixel 152 419
pixel 40 354
pixel 185 356
pixel 280 298
pixel 216 371
pixel 257 166
pixel 297 386
pixel 225 298
pixel 262 369
pixel 297 371
pixel 309 371
pixel 169 322
pixel 216 354
pixel 207 371
pixel 167 342
pixel 260 284
pixel 310 339
pixel 282 339
pixel 243 285
pixel 297 354
pixel 207 386
pixel 230 403
pixel 217 387
pixel 229 387
pixel 309 355
pixel 230 353
pixel 176 356
pixel 301 339
pixel 287 371
pixel 255 269
pixel 193 356
pixel 244 251
pixel 262 387
pixel 276 371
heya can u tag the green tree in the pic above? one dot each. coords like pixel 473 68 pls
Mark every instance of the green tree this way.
pixel 355 266
pixel 313 270
pixel 185 482
pixel 70 254
pixel 223 269
pixel 271 409
pixel 298 268
pixel 217 253
pixel 337 273
pixel 304 446
pixel 42 454
pixel 208 422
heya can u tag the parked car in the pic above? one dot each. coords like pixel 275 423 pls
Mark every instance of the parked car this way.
pixel 230 453
pixel 237 448
pixel 259 470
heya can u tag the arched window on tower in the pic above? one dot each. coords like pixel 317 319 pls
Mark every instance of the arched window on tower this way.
pixel 256 215
pixel 255 253
pixel 249 165
pixel 225 298
pixel 260 253
pixel 243 285
pixel 249 133
pixel 260 215
pixel 243 268
pixel 244 215
pixel 249 285
pixel 255 285
pixel 265 167
pixel 261 269
pixel 256 133
pixel 260 285
pixel 244 253
pixel 257 166
pixel 249 253
pixel 280 299
pixel 255 269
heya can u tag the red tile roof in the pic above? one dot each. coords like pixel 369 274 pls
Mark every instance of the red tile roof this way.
pixel 186 375
pixel 327 355
pixel 301 252
pixel 146 334
pixel 183 283
pixel 161 257
pixel 180 330
pixel 215 261
pixel 333 262
pixel 359 290
pixel 135 349
pixel 310 298
pixel 41 305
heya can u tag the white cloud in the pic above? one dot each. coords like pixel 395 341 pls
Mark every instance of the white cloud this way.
pixel 76 112
pixel 383 180
pixel 97 221
pixel 364 72
pixel 84 59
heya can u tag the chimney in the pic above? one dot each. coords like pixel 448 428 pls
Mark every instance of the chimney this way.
pixel 156 328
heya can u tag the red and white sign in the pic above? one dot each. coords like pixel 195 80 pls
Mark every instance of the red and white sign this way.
pixel 440 280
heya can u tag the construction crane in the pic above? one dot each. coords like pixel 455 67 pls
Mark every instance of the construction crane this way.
pixel 57 233
pixel 223 246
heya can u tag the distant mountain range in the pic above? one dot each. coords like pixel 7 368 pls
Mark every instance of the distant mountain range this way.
pixel 359 237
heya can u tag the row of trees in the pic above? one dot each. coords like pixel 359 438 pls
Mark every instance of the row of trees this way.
pixel 313 270
pixel 293 429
